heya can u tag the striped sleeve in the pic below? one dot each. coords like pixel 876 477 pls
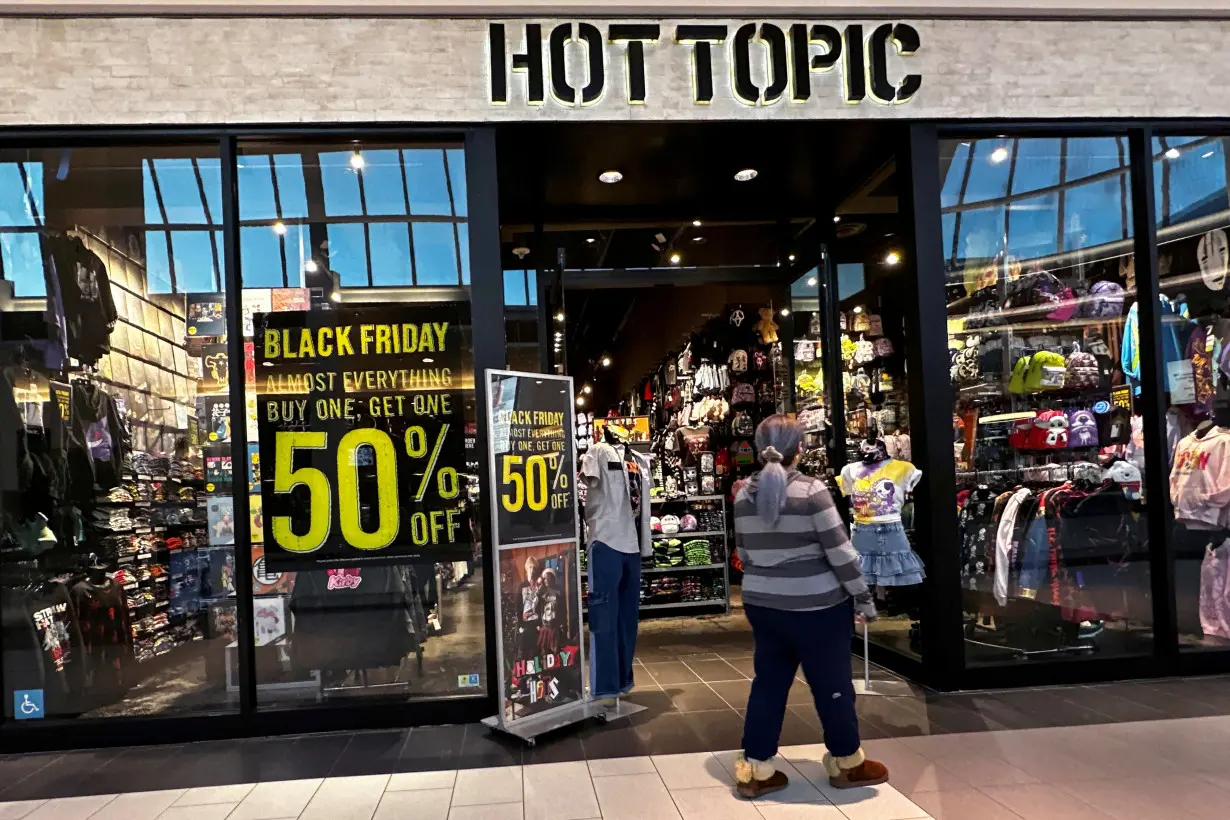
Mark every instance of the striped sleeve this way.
pixel 833 540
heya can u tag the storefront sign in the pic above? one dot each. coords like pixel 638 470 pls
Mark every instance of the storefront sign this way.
pixel 535 518
pixel 360 422
pixel 784 55
pixel 532 453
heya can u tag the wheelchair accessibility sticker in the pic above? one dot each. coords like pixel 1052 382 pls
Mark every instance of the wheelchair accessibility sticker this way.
pixel 28 704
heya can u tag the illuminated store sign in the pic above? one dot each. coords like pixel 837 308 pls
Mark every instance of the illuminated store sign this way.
pixel 784 56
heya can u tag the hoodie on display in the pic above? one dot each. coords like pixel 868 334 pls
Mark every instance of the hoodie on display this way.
pixel 1200 478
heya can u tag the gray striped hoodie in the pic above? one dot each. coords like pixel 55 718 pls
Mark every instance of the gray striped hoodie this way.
pixel 805 559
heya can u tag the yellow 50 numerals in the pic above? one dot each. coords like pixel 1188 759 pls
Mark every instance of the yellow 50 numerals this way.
pixel 425 527
pixel 525 483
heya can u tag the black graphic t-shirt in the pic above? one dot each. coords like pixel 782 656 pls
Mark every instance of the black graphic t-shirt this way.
pixel 634 485
pixel 85 291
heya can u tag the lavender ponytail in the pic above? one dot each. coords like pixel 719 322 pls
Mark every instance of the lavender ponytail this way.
pixel 777 439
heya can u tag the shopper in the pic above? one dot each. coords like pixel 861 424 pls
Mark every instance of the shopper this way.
pixel 801 588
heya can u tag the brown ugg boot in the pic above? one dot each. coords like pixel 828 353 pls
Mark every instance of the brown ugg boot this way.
pixel 854 771
pixel 756 778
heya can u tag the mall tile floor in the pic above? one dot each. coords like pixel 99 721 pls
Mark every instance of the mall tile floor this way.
pixel 1136 750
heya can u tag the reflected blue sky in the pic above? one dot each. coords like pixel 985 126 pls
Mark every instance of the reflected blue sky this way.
pixel 382 217
pixel 1030 197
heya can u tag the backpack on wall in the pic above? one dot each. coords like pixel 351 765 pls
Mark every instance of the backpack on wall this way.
pixel 1083 372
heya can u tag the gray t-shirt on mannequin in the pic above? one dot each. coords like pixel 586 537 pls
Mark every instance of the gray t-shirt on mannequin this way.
pixel 609 514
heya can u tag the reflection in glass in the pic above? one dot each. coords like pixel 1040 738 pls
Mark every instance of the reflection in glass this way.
pixel 1194 259
pixel 397 621
pixel 116 544
pixel 1045 366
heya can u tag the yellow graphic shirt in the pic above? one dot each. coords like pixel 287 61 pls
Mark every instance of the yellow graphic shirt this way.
pixel 877 491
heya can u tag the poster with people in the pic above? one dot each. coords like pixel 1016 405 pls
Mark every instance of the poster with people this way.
pixel 541 629
pixel 534 518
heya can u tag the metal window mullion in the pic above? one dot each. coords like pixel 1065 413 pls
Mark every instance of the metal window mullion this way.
pixel 162 209
pixel 239 431
pixel 452 205
pixel 1016 144
pixel 1165 203
pixel 489 345
pixel 367 229
pixel 1062 205
pixel 931 407
pixel 1151 404
pixel 405 192
pixel 209 220
pixel 277 210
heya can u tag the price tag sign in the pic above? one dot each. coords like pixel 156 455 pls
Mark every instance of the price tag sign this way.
pixel 533 456
pixel 360 419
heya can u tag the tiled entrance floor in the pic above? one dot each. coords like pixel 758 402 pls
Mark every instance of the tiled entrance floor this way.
pixel 1154 770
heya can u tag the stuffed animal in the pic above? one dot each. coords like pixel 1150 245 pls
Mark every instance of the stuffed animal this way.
pixel 766 327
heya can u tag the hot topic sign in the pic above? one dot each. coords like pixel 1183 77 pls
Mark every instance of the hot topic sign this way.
pixel 360 414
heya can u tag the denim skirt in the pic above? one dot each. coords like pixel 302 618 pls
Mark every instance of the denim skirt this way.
pixel 885 555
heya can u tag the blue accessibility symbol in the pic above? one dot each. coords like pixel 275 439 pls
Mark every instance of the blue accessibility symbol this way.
pixel 28 704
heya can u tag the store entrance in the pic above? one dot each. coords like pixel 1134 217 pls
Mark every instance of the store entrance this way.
pixel 691 279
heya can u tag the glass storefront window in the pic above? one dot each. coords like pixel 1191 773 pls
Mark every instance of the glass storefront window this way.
pixel 115 539
pixel 1193 212
pixel 361 423
pixel 1047 433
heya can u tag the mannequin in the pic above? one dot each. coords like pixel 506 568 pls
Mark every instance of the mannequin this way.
pixel 618 530
pixel 877 485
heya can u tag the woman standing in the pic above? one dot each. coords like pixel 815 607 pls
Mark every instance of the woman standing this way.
pixel 801 589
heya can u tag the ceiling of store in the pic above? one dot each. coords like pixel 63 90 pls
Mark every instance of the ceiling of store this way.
pixel 673 174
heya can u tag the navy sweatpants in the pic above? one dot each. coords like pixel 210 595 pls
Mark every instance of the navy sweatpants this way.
pixel 819 640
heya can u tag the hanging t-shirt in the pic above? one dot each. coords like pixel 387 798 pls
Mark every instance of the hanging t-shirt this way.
pixel 85 292
pixel 877 491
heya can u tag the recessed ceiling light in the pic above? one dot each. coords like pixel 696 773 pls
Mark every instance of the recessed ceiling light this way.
pixel 1206 155
pixel 610 177
pixel 559 317
pixel 811 281
pixel 279 228
pixel 587 389
pixel 606 361
pixel 1172 153
pixel 858 308
pixel 698 239
pixel 746 175
pixel 695 223
pixel 791 257
pixel 837 219
pixel 428 360
pixel 580 401
pixel 590 240
pixel 892 258
pixel 357 162
pixel 336 296
pixel 310 266
pixel 676 259
pixel 999 154
pixel 785 311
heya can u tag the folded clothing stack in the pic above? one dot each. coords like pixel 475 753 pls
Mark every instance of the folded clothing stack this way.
pixel 696 553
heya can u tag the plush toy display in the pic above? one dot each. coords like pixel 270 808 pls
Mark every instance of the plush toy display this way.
pixel 766 327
